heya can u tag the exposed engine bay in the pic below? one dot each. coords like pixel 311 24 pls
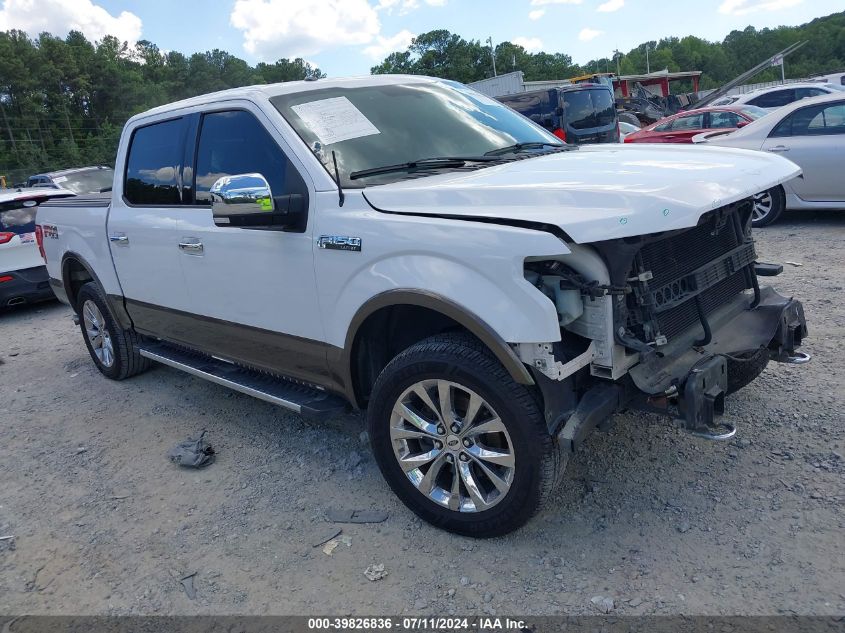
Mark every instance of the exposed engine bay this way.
pixel 677 321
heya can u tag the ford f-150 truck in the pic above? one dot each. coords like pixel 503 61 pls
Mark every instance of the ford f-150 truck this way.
pixel 408 246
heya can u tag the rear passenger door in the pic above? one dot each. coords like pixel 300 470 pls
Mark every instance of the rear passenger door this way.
pixel 143 226
pixel 254 289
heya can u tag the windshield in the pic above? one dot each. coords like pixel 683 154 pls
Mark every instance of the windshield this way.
pixel 753 111
pixel 589 108
pixel 86 181
pixel 373 126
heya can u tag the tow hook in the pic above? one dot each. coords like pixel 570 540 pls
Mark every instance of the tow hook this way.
pixel 798 358
pixel 702 400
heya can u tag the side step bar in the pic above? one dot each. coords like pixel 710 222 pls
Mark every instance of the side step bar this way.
pixel 307 401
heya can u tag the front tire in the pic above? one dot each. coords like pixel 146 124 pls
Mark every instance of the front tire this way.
pixel 768 206
pixel 461 443
pixel 115 351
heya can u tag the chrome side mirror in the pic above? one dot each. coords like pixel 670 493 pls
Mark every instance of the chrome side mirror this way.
pixel 245 200
pixel 240 195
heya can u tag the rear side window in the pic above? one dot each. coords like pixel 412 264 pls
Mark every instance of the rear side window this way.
pixel 589 108
pixel 691 122
pixel 537 106
pixel 774 99
pixel 724 119
pixel 234 142
pixel 154 164
pixel 803 93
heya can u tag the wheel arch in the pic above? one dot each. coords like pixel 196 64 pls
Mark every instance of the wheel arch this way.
pixel 421 314
pixel 76 272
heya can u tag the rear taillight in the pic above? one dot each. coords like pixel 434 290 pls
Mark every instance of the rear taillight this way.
pixel 6 278
pixel 39 237
pixel 560 133
pixel 5 238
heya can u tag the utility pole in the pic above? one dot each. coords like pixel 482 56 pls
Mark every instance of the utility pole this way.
pixel 616 56
pixel 647 65
pixel 492 54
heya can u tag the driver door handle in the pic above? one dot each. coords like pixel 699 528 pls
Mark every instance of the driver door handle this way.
pixel 779 148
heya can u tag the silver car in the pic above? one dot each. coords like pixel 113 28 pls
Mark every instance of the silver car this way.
pixel 810 133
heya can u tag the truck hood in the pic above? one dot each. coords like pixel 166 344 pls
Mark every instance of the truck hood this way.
pixel 596 193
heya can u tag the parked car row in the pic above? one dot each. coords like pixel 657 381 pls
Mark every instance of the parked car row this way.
pixel 808 129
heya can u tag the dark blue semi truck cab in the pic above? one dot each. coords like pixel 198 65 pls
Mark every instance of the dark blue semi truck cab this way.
pixel 578 114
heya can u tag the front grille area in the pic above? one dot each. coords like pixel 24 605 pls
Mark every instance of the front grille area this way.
pixel 710 261
pixel 682 317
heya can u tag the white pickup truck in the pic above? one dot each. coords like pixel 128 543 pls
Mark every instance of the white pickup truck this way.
pixel 407 246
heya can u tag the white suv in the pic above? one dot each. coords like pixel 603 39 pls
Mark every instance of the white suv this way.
pixel 23 276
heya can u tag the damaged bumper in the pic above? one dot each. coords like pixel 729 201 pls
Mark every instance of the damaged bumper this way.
pixel 686 381
pixel 690 382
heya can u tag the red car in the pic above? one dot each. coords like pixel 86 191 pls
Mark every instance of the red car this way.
pixel 681 127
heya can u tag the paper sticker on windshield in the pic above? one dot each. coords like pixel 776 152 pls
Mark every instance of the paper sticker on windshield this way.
pixel 335 120
pixel 59 179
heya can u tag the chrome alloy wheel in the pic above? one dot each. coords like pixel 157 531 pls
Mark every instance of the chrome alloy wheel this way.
pixel 763 205
pixel 97 333
pixel 452 445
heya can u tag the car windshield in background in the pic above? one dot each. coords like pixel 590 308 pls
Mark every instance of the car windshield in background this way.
pixel 374 126
pixel 589 108
pixel 87 181
pixel 753 111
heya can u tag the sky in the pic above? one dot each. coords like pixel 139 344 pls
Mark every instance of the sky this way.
pixel 348 37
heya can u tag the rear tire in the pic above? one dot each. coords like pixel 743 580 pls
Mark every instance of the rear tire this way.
pixel 115 351
pixel 768 206
pixel 438 412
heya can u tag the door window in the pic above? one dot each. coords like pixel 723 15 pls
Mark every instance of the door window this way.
pixel 724 119
pixel 154 163
pixel 234 142
pixel 821 119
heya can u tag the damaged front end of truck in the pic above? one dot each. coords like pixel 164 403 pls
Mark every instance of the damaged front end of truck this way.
pixel 669 322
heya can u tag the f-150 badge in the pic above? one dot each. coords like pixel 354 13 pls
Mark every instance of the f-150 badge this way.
pixel 339 243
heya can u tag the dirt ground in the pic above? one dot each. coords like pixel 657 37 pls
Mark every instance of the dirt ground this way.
pixel 657 520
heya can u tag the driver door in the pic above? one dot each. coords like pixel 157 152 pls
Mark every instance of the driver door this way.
pixel 254 289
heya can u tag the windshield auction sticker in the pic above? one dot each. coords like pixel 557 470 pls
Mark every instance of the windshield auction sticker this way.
pixel 335 120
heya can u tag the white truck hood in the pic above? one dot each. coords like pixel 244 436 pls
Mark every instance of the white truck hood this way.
pixel 597 192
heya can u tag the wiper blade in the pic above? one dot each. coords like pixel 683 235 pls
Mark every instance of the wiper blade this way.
pixel 422 163
pixel 516 147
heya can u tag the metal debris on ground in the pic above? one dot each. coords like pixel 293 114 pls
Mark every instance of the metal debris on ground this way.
pixel 375 572
pixel 794 263
pixel 192 453
pixel 326 536
pixel 330 547
pixel 187 583
pixel 337 515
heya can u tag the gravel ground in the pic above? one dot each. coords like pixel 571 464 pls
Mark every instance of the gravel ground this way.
pixel 652 518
